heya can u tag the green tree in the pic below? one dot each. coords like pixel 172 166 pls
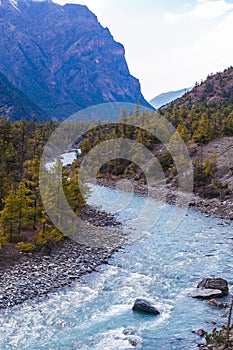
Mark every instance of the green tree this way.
pixel 205 130
pixel 31 181
pixel 16 213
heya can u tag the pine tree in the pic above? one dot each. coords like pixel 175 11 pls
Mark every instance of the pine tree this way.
pixel 8 216
pixel 31 180
pixel 205 130
pixel 227 127
pixel 16 213
pixel 184 133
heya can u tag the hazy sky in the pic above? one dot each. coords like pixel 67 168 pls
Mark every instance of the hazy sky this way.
pixel 169 44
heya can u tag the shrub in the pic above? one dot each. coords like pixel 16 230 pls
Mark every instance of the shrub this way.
pixel 215 336
pixel 25 247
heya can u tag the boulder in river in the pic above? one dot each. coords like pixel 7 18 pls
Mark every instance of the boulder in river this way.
pixel 145 306
pixel 130 331
pixel 200 332
pixel 211 288
pixel 133 341
pixel 215 283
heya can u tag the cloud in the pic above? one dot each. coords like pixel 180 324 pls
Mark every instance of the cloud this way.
pixel 204 9
pixel 207 54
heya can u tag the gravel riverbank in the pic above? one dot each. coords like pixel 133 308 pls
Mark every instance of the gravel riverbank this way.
pixel 39 274
pixel 36 274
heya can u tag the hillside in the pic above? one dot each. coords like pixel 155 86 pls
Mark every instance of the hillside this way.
pixel 216 88
pixel 66 63
pixel 14 104
pixel 204 118
pixel 167 97
pixel 206 112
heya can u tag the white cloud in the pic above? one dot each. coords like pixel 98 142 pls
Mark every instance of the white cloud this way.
pixel 204 9
pixel 215 46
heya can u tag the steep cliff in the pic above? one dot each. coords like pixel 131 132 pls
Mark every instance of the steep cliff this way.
pixel 62 58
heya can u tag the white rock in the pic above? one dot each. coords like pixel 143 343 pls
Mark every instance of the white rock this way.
pixel 206 293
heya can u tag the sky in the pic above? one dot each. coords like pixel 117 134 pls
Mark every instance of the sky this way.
pixel 169 45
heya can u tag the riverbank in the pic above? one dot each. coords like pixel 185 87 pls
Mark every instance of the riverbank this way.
pixel 34 275
pixel 215 207
pixel 38 275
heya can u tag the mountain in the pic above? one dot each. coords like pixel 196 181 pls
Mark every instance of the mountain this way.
pixel 167 97
pixel 62 58
pixel 217 88
pixel 15 105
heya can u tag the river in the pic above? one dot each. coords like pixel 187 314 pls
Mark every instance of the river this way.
pixel 160 266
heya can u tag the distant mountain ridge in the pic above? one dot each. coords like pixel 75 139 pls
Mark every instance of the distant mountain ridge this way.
pixel 167 97
pixel 62 58
pixel 14 104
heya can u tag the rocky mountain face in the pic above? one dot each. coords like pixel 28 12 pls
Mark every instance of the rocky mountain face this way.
pixel 15 105
pixel 167 97
pixel 62 58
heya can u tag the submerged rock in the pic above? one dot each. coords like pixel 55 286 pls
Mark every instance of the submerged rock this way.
pixel 133 336
pixel 133 342
pixel 200 332
pixel 130 331
pixel 217 303
pixel 145 306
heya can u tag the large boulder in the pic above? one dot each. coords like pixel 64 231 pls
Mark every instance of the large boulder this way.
pixel 145 306
pixel 215 283
pixel 211 288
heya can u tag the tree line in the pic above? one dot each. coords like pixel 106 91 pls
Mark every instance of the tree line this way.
pixel 22 143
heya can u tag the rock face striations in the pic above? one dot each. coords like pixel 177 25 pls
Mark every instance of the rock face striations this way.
pixel 62 58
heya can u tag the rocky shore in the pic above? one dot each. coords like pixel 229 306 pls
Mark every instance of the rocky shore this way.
pixel 97 217
pixel 37 274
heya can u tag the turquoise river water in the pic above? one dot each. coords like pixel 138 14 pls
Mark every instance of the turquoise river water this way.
pixel 161 266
